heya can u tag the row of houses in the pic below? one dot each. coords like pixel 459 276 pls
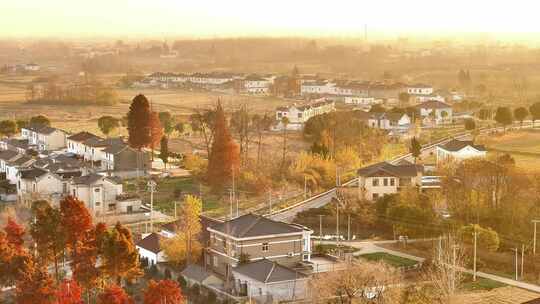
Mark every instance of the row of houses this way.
pixel 48 163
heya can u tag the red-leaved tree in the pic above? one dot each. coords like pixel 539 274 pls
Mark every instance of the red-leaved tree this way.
pixel 35 286
pixel 224 156
pixel 14 234
pixel 69 292
pixel 156 131
pixel 164 291
pixel 114 294
pixel 139 122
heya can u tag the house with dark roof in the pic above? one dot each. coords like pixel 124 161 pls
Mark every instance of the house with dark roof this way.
pixel 13 166
pixel 299 114
pixel 7 156
pixel 43 137
pixel 36 183
pixel 20 145
pixel 269 282
pixel 458 150
pixel 384 178
pixel 149 248
pixel 122 160
pixel 76 142
pixel 258 238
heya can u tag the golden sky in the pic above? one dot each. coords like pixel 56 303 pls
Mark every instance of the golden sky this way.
pixel 77 18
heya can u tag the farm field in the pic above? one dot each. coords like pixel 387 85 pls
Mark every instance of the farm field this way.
pixel 523 145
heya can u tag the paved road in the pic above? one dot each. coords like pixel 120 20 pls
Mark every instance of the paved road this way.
pixel 289 213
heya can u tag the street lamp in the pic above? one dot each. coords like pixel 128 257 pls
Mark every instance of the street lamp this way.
pixel 151 187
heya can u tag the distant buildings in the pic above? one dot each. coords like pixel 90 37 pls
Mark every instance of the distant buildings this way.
pixel 435 112
pixel 458 150
pixel 299 114
pixel 384 178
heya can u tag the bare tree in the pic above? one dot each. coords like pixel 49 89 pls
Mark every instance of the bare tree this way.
pixel 363 283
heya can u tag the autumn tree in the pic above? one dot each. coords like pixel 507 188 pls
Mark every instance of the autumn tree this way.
pixel 40 120
pixel 224 155
pixel 8 128
pixel 185 246
pixel 284 122
pixel 14 234
pixel 164 291
pixel 164 150
pixel 85 269
pixel 120 259
pixel 486 237
pixel 503 115
pixel 15 259
pixel 204 123
pixel 534 110
pixel 520 114
pixel 156 131
pixel 470 124
pixel 241 123
pixel 21 123
pixel 415 148
pixel 107 124
pixel 76 221
pixel 167 121
pixel 114 294
pixel 35 287
pixel 69 292
pixel 48 234
pixel 139 123
pixel 261 124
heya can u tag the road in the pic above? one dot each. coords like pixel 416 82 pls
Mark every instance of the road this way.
pixel 289 213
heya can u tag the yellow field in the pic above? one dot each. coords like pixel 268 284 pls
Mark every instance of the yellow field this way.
pixel 524 146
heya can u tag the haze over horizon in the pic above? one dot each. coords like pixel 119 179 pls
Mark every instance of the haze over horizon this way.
pixel 207 18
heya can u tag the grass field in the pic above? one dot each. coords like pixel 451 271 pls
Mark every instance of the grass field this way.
pixel 391 260
pixel 524 146
pixel 480 284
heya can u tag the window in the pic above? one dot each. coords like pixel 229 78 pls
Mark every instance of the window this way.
pixel 97 204
pixel 375 196
pixel 299 115
pixel 112 207
pixel 392 182
pixel 375 182
pixel 385 182
pixel 265 247
pixel 96 190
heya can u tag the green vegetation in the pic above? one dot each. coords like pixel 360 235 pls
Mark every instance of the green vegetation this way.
pixel 480 284
pixel 392 260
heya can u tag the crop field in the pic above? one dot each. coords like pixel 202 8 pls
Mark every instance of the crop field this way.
pixel 524 146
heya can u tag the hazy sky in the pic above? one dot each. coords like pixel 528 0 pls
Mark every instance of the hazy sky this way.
pixel 272 17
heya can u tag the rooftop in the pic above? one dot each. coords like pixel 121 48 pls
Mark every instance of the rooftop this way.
pixel 387 169
pixel 83 136
pixel 456 145
pixel 433 104
pixel 252 225
pixel 150 243
pixel 267 271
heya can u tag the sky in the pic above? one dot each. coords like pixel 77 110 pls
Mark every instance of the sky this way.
pixel 226 18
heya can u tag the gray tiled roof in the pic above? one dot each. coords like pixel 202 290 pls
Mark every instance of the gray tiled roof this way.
pixel 82 136
pixel 433 104
pixel 252 225
pixel 88 179
pixel 266 271
pixel 151 243
pixel 32 173
pixel 8 155
pixel 196 272
pixel 456 145
pixel 40 128
pixel 385 169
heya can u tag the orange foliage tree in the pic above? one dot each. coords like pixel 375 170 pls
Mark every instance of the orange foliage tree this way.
pixel 156 131
pixel 35 286
pixel 164 291
pixel 69 292
pixel 120 258
pixel 139 122
pixel 114 295
pixel 224 156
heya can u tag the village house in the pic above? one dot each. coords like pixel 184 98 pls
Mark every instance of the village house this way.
pixel 8 156
pixel 149 248
pixel 320 87
pixel 257 238
pixel 299 114
pixel 13 167
pixel 458 150
pixel 36 183
pixel 435 112
pixel 76 143
pixel 255 85
pixel 420 89
pixel 269 282
pixel 384 178
pixel 44 137
pixel 15 144
pixel 385 120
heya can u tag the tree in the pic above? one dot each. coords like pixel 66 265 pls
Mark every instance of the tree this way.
pixel 485 114
pixel 21 123
pixel 241 123
pixel 404 98
pixel 224 155
pixel 185 245
pixel 503 115
pixel 164 150
pixel 85 268
pixel 284 123
pixel 167 121
pixel 486 237
pixel 415 148
pixel 375 281
pixel 69 292
pixel 156 131
pixel 164 291
pixel 520 114
pixel 261 124
pixel 120 258
pixel 139 123
pixel 76 221
pixel 205 124
pixel 107 124
pixel 114 294
pixel 48 234
pixel 470 124
pixel 8 128
pixel 15 259
pixel 40 120
pixel 35 287
pixel 534 109
pixel 14 234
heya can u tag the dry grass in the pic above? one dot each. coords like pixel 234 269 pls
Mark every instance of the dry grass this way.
pixel 524 146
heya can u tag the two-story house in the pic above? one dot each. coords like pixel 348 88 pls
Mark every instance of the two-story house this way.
pixel 76 143
pixel 20 145
pixel 435 112
pixel 8 156
pixel 458 150
pixel 255 238
pixel 43 137
pixel 13 167
pixel 36 183
pixel 384 178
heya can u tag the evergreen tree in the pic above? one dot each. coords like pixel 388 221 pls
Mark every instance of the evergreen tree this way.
pixel 164 150
pixel 139 123
pixel 40 120
pixel 415 148
pixel 224 154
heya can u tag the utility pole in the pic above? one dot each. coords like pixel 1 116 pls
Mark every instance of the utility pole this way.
pixel 269 201
pixel 522 258
pixel 516 263
pixel 454 258
pixel 234 193
pixel 230 203
pixel 320 228
pixel 151 187
pixel 305 186
pixel 337 223
pixel 349 227
pixel 534 236
pixel 474 264
pixel 175 214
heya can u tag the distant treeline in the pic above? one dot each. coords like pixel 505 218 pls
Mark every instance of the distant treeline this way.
pixel 53 93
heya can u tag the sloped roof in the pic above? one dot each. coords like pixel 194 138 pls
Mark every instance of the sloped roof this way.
pixel 456 145
pixel 267 271
pixel 115 149
pixel 21 160
pixel 433 104
pixel 41 128
pixel 252 225
pixel 83 136
pixel 150 243
pixel 18 143
pixel 88 179
pixel 196 272
pixel 32 173
pixel 384 168
pixel 9 155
